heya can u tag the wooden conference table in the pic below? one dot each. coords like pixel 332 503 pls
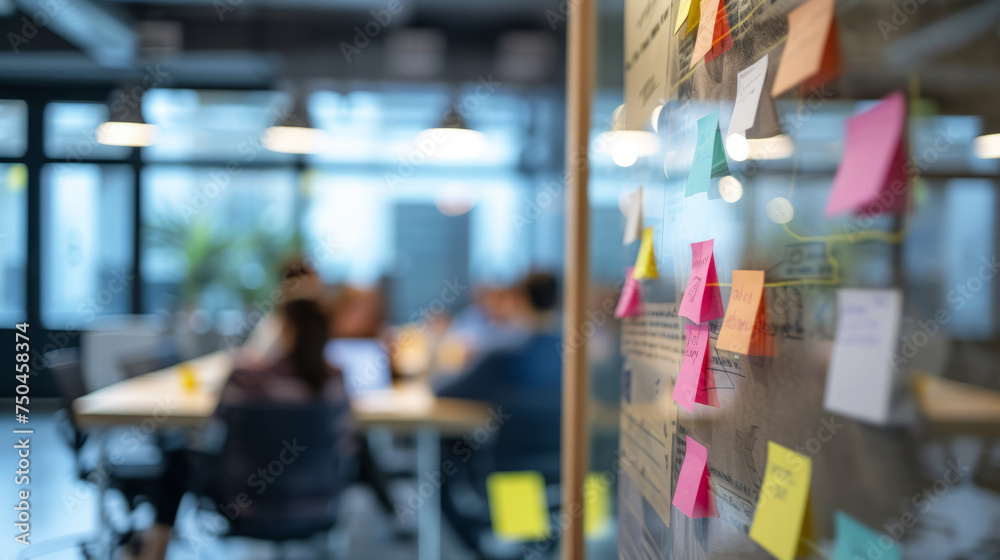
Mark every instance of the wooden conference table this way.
pixel 160 400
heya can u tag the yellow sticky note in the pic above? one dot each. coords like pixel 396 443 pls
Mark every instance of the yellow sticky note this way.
pixel 682 13
pixel 596 505
pixel 694 13
pixel 189 378
pixel 744 330
pixel 645 263
pixel 784 495
pixel 519 509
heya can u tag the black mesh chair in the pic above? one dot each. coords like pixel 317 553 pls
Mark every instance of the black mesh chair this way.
pixel 305 454
pixel 528 440
pixel 133 473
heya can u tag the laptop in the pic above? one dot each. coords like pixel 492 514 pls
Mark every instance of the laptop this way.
pixel 364 363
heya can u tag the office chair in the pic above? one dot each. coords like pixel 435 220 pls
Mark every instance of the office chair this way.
pixel 528 440
pixel 137 466
pixel 301 448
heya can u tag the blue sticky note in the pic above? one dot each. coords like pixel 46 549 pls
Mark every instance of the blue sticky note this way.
pixel 709 156
pixel 856 540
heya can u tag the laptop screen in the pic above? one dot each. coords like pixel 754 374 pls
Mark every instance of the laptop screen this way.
pixel 363 361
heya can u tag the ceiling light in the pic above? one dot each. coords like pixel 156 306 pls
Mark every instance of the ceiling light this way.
pixel 779 210
pixel 125 126
pixel 626 146
pixel 452 140
pixel 737 147
pixel 987 146
pixel 730 188
pixel 295 135
pixel 654 119
pixel 776 147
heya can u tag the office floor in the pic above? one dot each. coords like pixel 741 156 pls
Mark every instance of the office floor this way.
pixel 62 506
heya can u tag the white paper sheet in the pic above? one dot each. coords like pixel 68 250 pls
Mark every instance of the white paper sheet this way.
pixel 859 381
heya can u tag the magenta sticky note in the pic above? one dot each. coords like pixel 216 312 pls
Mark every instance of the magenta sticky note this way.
pixel 708 393
pixel 693 495
pixel 872 177
pixel 693 366
pixel 630 300
pixel 702 300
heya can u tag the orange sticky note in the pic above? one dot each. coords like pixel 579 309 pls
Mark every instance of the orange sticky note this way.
pixel 693 495
pixel 706 28
pixel 722 39
pixel 744 329
pixel 630 301
pixel 812 52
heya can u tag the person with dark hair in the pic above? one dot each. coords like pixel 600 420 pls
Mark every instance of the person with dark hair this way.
pixel 523 380
pixel 300 374
pixel 297 280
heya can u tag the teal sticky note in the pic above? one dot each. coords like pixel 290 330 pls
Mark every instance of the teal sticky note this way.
pixel 856 540
pixel 709 156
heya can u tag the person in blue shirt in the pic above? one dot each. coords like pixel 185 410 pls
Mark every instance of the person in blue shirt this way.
pixel 522 380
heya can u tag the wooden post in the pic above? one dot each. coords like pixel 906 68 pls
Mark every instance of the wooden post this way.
pixel 575 378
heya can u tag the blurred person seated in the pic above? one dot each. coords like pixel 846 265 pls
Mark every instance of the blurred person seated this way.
pixel 517 365
pixel 358 313
pixel 300 374
pixel 523 382
pixel 297 280
pixel 497 317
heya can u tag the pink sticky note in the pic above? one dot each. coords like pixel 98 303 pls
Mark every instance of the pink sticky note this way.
pixel 695 354
pixel 630 301
pixel 872 177
pixel 702 301
pixel 707 393
pixel 693 495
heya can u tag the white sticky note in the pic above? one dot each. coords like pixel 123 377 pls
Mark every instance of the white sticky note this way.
pixel 633 217
pixel 859 381
pixel 749 83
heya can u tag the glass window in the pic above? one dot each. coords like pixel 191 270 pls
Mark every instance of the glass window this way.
pixel 213 238
pixel 353 228
pixel 70 130
pixel 86 243
pixel 212 126
pixel 13 245
pixel 13 127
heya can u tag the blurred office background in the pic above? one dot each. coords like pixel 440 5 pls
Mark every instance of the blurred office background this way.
pixel 189 232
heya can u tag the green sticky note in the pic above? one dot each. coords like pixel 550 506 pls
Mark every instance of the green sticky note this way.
pixel 855 540
pixel 709 156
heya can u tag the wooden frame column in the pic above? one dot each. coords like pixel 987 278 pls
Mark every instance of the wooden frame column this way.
pixel 575 377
